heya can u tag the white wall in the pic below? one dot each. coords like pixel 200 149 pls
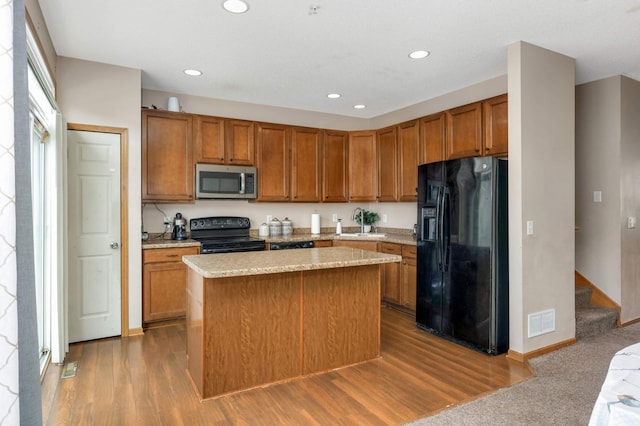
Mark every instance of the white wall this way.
pixel 106 95
pixel 598 159
pixel 630 198
pixel 541 189
pixel 608 160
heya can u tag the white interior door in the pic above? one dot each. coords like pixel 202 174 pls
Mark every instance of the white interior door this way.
pixel 94 235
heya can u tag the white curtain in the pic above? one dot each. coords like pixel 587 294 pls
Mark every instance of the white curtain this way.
pixel 9 378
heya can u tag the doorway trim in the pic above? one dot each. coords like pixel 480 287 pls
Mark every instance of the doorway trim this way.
pixel 124 215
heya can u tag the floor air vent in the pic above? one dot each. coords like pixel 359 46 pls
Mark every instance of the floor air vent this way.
pixel 69 370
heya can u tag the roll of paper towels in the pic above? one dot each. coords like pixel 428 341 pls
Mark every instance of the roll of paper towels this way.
pixel 315 223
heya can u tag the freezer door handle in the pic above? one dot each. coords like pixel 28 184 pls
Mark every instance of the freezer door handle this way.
pixel 439 227
pixel 446 231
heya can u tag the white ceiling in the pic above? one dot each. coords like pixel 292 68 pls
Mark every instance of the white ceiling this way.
pixel 280 54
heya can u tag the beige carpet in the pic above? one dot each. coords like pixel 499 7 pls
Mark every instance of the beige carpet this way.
pixel 563 391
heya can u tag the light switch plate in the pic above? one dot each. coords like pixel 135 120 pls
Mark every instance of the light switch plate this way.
pixel 597 196
pixel 529 227
pixel 631 222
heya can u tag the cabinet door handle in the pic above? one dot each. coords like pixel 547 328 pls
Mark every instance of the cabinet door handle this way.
pixel 172 255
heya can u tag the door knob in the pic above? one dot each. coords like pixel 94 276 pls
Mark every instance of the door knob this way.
pixel 114 245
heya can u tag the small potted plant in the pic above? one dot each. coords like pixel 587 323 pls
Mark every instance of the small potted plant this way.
pixel 366 216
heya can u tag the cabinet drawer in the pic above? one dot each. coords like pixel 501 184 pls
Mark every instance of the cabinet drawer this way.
pixel 390 248
pixel 167 254
pixel 409 251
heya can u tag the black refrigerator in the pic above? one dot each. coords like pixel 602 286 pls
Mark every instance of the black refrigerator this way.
pixel 463 252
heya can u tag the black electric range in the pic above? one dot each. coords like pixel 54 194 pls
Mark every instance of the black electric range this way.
pixel 224 234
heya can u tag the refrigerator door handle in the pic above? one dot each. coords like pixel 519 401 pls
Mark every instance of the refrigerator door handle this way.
pixel 440 227
pixel 446 237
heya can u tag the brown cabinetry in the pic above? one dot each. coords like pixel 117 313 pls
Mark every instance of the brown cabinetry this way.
pixel 335 166
pixel 408 157
pixel 167 159
pixel 220 141
pixel 432 136
pixel 239 142
pixel 323 243
pixel 496 125
pixel 464 131
pixel 164 283
pixel 273 161
pixel 390 279
pixel 306 162
pixel 408 276
pixel 362 245
pixel 387 161
pixel 363 181
pixel 399 279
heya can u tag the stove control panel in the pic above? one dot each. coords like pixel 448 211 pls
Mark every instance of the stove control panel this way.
pixel 219 223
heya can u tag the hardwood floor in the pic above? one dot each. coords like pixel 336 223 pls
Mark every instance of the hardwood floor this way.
pixel 142 380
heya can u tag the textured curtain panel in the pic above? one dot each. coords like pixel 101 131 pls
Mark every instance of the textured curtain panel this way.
pixel 20 276
pixel 9 381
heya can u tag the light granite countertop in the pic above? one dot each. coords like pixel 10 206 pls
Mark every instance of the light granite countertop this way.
pixel 271 262
pixel 154 242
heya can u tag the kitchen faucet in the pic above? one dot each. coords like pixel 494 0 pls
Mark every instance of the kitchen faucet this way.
pixel 355 214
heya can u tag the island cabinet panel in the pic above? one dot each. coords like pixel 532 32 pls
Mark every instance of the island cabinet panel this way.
pixel 249 331
pixel 167 157
pixel 408 157
pixel 464 131
pixel 363 177
pixel 273 151
pixel 335 166
pixel 244 350
pixel 362 245
pixel 341 317
pixel 432 136
pixel 306 163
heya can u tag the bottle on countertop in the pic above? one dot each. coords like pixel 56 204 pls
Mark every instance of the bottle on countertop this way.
pixel 339 227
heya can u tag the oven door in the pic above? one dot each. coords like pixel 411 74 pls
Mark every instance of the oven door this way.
pixel 219 181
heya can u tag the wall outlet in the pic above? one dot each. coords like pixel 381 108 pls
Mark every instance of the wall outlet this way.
pixel 334 217
pixel 597 196
pixel 167 220
pixel 384 218
pixel 529 227
pixel 631 222
pixel 269 218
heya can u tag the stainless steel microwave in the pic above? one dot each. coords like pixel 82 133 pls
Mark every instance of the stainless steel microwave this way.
pixel 220 181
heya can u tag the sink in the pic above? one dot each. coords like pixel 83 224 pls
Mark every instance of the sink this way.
pixel 360 234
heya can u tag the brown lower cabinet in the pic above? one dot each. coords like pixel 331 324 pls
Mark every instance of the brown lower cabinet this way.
pixel 164 283
pixel 399 280
pixel 323 243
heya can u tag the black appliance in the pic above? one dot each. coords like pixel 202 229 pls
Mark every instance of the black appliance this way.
pixel 288 245
pixel 463 258
pixel 179 228
pixel 224 234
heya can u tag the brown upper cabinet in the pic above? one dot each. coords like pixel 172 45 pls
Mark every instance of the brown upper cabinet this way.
pixel 167 159
pixel 335 166
pixel 408 157
pixel 239 145
pixel 496 125
pixel 464 131
pixel 432 136
pixel 306 163
pixel 273 161
pixel 387 157
pixel 216 145
pixel 363 181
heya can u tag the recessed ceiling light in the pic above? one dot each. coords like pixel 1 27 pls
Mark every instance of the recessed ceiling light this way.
pixel 193 72
pixel 419 54
pixel 360 106
pixel 334 95
pixel 235 6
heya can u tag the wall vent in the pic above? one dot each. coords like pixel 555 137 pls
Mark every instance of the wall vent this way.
pixel 542 322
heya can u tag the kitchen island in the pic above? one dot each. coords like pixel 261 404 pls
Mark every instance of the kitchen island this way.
pixel 257 318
